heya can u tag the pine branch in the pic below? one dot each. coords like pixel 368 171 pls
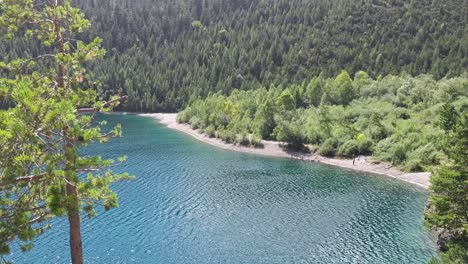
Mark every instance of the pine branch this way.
pixel 95 109
pixel 29 178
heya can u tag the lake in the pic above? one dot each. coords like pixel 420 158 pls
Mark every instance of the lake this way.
pixel 194 203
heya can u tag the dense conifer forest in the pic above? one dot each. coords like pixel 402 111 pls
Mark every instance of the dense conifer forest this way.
pixel 165 53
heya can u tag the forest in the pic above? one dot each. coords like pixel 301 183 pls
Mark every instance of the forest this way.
pixel 164 55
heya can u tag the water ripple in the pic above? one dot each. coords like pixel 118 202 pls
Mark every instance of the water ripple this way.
pixel 192 203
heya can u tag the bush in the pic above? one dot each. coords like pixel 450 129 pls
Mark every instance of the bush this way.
pixel 349 149
pixel 313 136
pixel 365 146
pixel 210 131
pixel 290 133
pixel 328 148
pixel 182 117
pixel 392 151
pixel 313 148
pixel 413 165
pixel 255 141
pixel 248 140
pixel 457 254
pixel 398 153
pixel 422 157
pixel 242 140
pixel 194 122
pixel 227 136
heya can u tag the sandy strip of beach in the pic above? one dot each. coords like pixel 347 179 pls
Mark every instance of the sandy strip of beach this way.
pixel 272 148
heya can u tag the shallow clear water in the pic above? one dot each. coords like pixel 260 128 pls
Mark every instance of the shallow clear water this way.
pixel 193 203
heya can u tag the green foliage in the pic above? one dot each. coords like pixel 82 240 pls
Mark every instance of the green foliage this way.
pixel 290 132
pixel 255 141
pixel 361 78
pixel 248 140
pixel 448 117
pixel 401 119
pixel 450 182
pixel 449 185
pixel 263 122
pixel 286 101
pixel 314 91
pixel 457 254
pixel 197 24
pixel 349 149
pixel 329 147
pixel 376 122
pixel 342 90
pixel 210 131
pixel 364 144
pixel 48 118
pixel 164 54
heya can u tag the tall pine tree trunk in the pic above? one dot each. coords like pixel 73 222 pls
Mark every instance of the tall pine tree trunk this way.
pixel 76 245
pixel 73 203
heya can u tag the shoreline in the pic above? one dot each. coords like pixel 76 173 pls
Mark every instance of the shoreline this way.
pixel 273 149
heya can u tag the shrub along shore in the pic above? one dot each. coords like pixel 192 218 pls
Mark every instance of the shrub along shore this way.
pixel 396 119
pixel 276 149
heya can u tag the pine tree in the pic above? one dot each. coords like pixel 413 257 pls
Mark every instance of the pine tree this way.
pixel 42 173
pixel 449 185
pixel 448 117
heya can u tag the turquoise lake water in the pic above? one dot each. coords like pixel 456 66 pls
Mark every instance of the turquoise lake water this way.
pixel 194 203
